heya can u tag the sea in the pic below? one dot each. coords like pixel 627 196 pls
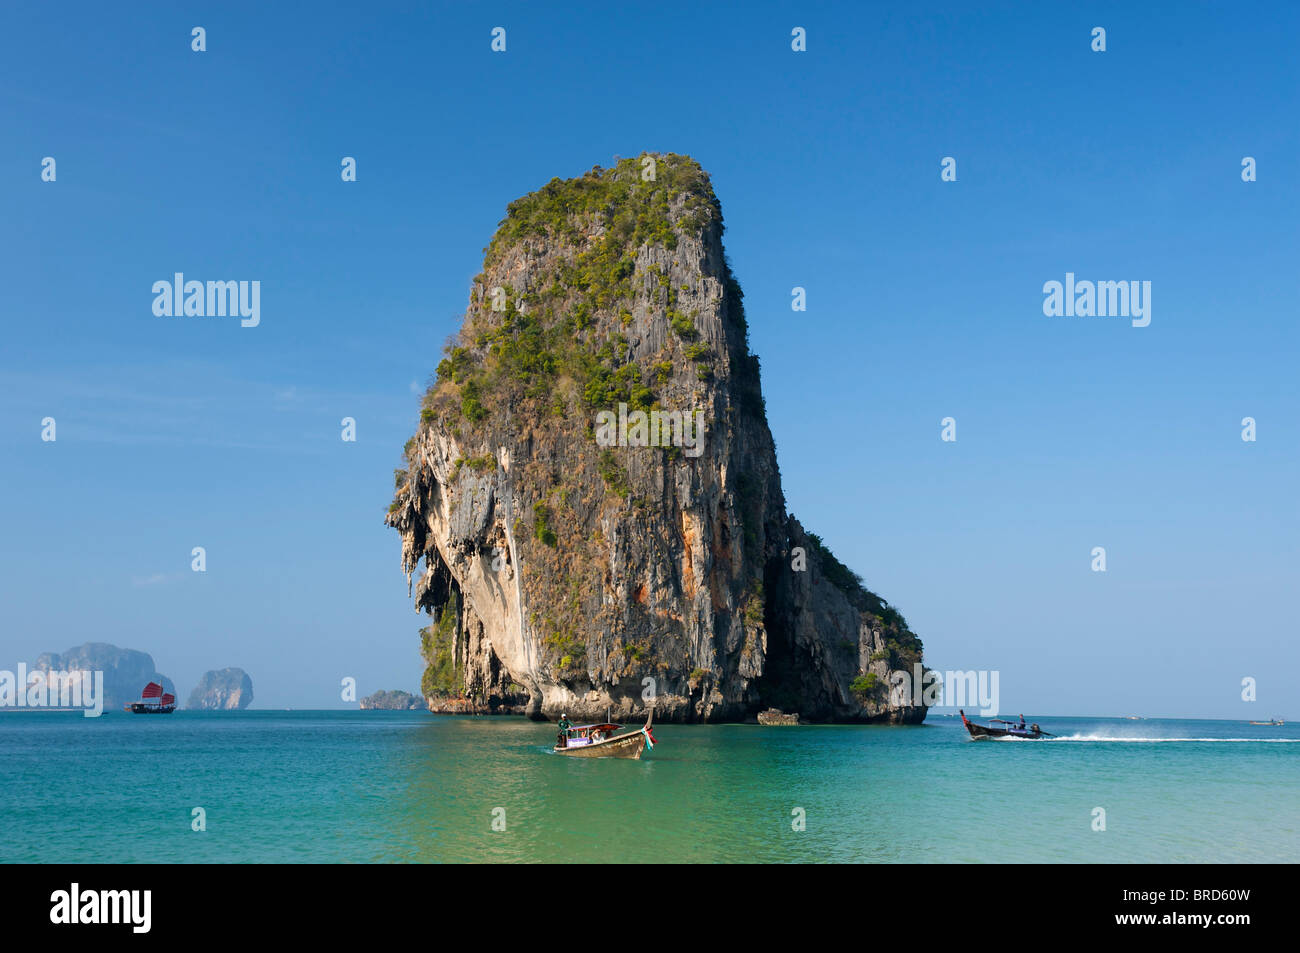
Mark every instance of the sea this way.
pixel 373 786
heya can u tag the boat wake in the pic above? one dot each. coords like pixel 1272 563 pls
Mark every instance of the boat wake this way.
pixel 1152 740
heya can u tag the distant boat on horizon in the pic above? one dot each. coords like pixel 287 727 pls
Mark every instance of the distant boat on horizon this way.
pixel 1273 722
pixel 153 701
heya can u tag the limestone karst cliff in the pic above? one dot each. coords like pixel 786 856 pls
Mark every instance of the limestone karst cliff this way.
pixel 395 700
pixel 578 556
pixel 226 689
pixel 126 671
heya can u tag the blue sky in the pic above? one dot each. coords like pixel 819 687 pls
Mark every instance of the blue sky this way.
pixel 924 301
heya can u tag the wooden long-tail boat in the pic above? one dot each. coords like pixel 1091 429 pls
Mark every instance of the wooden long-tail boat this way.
pixel 1014 729
pixel 1272 722
pixel 602 741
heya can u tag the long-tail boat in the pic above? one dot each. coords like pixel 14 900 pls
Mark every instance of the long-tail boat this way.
pixel 153 701
pixel 602 741
pixel 1014 729
pixel 1272 722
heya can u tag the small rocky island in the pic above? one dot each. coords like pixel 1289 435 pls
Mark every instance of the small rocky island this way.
pixel 226 689
pixel 392 701
pixel 126 671
pixel 591 500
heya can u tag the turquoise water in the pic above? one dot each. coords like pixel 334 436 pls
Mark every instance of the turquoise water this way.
pixel 409 786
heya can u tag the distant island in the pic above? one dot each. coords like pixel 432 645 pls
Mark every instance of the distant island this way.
pixel 126 671
pixel 392 701
pixel 226 689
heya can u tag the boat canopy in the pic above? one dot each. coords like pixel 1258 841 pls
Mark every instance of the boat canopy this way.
pixel 589 727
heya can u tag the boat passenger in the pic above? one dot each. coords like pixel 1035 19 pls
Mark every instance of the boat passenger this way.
pixel 562 739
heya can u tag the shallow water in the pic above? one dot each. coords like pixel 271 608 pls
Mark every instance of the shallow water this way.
pixel 409 786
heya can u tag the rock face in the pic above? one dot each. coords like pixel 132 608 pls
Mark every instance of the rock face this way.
pixel 775 716
pixel 226 689
pixel 392 701
pixel 571 570
pixel 126 671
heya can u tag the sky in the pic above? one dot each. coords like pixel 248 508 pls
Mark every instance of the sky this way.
pixel 924 301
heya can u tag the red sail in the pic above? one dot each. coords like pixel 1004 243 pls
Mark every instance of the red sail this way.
pixel 168 699
pixel 152 690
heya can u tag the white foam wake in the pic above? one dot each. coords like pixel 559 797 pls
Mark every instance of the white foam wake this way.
pixel 1263 741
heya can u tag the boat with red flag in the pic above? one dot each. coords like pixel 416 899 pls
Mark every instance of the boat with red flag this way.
pixel 604 741
pixel 153 701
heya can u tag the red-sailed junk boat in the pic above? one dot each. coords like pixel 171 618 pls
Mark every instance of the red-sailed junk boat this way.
pixel 153 701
